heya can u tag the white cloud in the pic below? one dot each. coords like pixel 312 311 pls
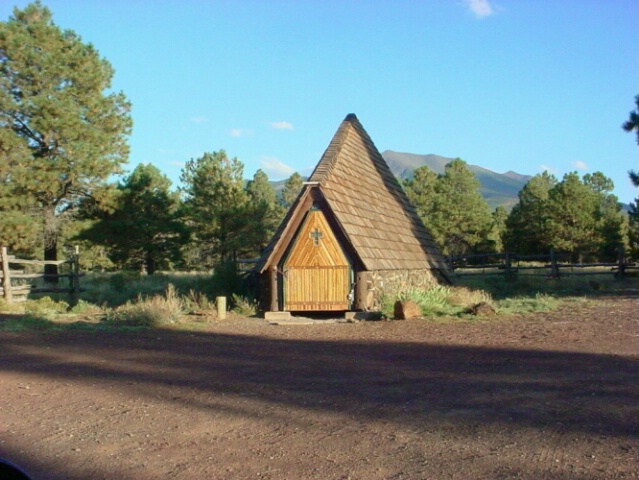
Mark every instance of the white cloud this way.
pixel 579 165
pixel 240 132
pixel 546 168
pixel 281 125
pixel 480 8
pixel 276 169
pixel 199 119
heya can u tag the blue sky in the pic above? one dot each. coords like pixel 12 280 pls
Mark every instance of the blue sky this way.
pixel 522 85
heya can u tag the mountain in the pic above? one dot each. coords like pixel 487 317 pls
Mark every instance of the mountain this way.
pixel 496 188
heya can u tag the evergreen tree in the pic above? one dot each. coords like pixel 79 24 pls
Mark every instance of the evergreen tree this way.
pixel 264 210
pixel 215 206
pixel 420 190
pixel 632 125
pixel 571 224
pixel 633 230
pixel 610 223
pixel 143 231
pixel 291 189
pixel 460 219
pixel 527 224
pixel 66 136
pixel 498 227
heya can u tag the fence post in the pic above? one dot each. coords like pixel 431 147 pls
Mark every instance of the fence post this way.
pixel 75 265
pixel 6 278
pixel 554 269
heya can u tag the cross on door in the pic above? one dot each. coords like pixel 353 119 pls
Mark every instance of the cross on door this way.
pixel 316 235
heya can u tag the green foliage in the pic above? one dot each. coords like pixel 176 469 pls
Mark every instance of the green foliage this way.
pixel 83 307
pixel 141 230
pixel 264 211
pixel 431 301
pixel 244 305
pixel 25 323
pixel 227 280
pixel 452 208
pixel 153 311
pixel 215 206
pixel 633 229
pixel 578 216
pixel 438 300
pixel 45 307
pixel 63 133
pixel 527 225
pixel 195 301
pixel 291 189
pixel 632 124
pixel 541 302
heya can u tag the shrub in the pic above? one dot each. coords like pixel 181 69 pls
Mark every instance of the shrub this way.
pixel 197 301
pixel 154 311
pixel 542 302
pixel 465 297
pixel 45 307
pixel 244 305
pixel 86 308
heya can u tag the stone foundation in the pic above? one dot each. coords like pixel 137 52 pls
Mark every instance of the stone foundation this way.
pixel 383 283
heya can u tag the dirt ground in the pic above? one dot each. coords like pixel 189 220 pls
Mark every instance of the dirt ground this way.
pixel 543 396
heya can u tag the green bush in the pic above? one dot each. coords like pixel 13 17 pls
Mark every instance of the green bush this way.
pixel 45 307
pixel 541 302
pixel 244 305
pixel 154 311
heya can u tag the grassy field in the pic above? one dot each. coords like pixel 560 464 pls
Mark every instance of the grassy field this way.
pixel 131 300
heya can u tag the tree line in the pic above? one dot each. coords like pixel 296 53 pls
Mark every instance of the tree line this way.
pixel 63 138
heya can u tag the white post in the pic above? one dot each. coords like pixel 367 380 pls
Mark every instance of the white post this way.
pixel 221 307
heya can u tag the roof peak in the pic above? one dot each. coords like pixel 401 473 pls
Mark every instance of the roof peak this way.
pixel 350 117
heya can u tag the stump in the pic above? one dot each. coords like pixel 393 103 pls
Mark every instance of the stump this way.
pixel 406 309
pixel 482 309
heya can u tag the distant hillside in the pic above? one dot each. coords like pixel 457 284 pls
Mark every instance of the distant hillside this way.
pixel 497 188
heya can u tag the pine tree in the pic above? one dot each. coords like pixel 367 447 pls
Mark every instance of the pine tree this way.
pixel 571 225
pixel 421 192
pixel 291 189
pixel 61 135
pixel 215 206
pixel 610 223
pixel 142 231
pixel 527 224
pixel 264 210
pixel 632 125
pixel 460 219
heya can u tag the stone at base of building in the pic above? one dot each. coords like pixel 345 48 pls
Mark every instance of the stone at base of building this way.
pixel 273 316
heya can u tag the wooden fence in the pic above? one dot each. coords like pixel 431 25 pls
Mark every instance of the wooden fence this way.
pixel 550 265
pixel 12 291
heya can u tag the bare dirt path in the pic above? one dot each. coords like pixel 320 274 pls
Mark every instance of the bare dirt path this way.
pixel 546 396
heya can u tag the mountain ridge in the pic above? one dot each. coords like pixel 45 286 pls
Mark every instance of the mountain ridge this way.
pixel 499 189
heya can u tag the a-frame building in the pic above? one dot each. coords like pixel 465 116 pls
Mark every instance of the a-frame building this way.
pixel 350 237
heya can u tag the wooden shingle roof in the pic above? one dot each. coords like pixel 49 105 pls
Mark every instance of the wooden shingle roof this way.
pixel 368 204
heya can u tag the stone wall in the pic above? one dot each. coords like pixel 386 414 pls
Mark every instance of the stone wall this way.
pixel 392 282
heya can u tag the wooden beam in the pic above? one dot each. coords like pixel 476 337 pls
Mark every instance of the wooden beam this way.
pixel 361 290
pixel 272 276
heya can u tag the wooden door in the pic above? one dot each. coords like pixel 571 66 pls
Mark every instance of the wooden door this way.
pixel 316 271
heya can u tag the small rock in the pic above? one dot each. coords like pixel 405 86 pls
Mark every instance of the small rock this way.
pixel 406 309
pixel 482 309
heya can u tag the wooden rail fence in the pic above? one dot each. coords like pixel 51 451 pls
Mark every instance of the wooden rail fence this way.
pixel 12 291
pixel 550 265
